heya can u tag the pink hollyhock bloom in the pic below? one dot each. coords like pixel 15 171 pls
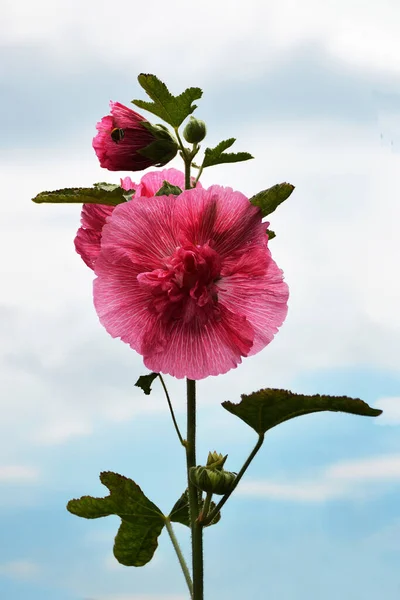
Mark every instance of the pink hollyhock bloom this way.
pixel 123 135
pixel 189 282
pixel 93 216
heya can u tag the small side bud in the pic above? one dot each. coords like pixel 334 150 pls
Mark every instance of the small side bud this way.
pixel 195 131
pixel 212 481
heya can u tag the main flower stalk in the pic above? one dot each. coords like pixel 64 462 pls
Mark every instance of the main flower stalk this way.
pixel 196 527
pixel 194 494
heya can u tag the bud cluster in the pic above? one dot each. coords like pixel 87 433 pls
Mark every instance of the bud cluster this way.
pixel 212 478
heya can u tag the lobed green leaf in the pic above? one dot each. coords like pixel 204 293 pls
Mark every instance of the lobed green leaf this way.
pixel 217 155
pixel 142 521
pixel 269 407
pixel 172 109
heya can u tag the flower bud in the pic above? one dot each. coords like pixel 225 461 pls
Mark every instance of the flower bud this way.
pixel 212 481
pixel 216 461
pixel 195 131
pixel 126 141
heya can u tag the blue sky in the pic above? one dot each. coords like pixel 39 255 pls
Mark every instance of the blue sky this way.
pixel 312 91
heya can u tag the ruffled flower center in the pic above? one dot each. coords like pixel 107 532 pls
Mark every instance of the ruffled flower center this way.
pixel 185 288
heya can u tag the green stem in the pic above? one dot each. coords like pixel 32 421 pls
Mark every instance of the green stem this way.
pixel 206 507
pixel 187 159
pixel 196 527
pixel 188 183
pixel 242 471
pixel 180 556
pixel 181 146
pixel 198 175
pixel 171 411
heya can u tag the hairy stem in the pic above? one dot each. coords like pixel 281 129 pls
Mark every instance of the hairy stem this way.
pixel 196 527
pixel 180 556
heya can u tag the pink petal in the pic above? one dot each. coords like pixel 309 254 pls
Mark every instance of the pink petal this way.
pixel 143 230
pixel 87 240
pixel 197 352
pixel 221 214
pixel 152 182
pixel 262 300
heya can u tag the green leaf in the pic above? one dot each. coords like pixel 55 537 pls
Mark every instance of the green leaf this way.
pixel 108 187
pixel 267 408
pixel 172 109
pixel 145 381
pixel 142 521
pixel 180 511
pixel 168 189
pixel 101 193
pixel 217 156
pixel 271 234
pixel 111 187
pixel 269 200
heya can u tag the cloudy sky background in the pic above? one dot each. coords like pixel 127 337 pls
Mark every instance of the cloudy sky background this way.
pixel 312 90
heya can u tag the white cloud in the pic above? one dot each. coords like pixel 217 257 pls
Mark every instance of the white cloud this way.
pixel 255 32
pixel 20 569
pixel 18 474
pixel 58 432
pixel 391 410
pixel 350 479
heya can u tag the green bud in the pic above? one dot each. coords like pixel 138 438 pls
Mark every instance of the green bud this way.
pixel 212 481
pixel 195 131
pixel 216 461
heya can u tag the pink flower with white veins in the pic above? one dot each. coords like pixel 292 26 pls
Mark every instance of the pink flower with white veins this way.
pixel 189 282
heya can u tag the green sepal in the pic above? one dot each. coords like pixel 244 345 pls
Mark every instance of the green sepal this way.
pixel 271 234
pixel 142 521
pixel 269 200
pixel 267 408
pixel 145 381
pixel 216 460
pixel 180 511
pixel 101 193
pixel 168 189
pixel 217 155
pixel 212 480
pixel 160 151
pixel 171 109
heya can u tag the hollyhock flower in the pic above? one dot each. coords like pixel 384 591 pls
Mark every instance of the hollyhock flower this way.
pixel 189 282
pixel 93 216
pixel 126 141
